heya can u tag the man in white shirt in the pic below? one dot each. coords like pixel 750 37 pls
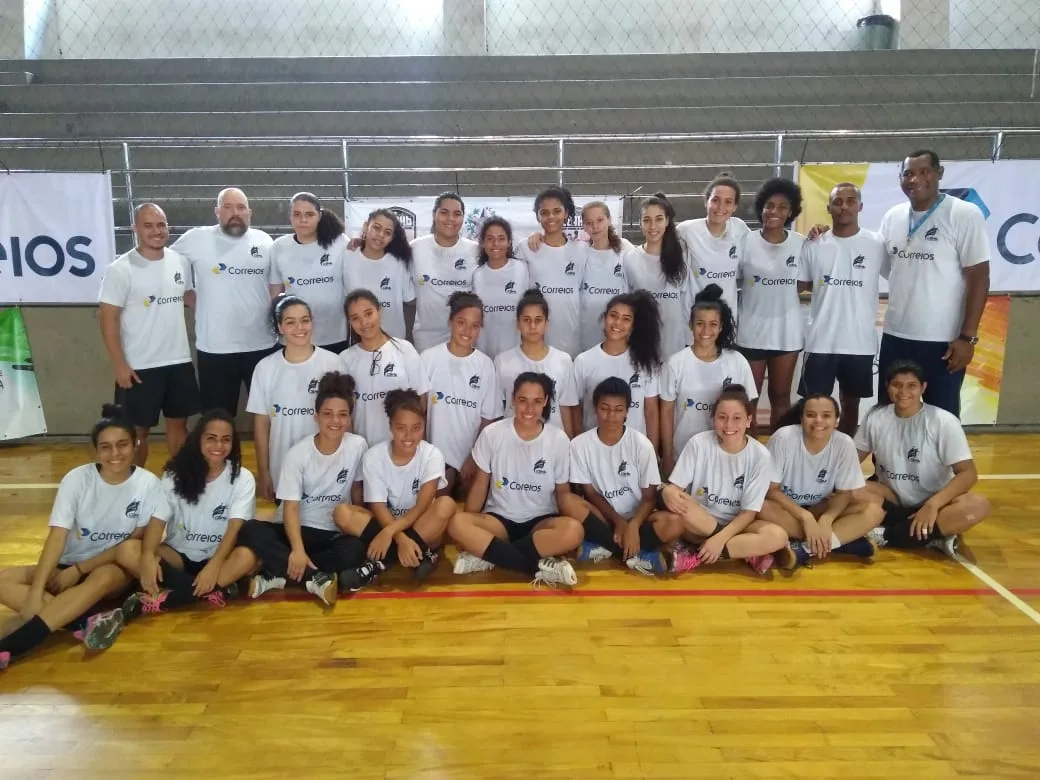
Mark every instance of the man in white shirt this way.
pixel 141 310
pixel 230 263
pixel 938 255
pixel 842 269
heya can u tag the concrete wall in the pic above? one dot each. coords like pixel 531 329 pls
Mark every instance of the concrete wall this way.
pixel 272 28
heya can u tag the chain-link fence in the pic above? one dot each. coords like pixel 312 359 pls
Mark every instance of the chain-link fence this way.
pixel 185 97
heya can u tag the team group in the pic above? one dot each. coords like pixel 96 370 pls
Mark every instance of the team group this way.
pixel 548 383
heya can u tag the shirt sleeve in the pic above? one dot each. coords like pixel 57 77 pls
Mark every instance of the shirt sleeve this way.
pixel 653 382
pixel 972 241
pixel 562 456
pixel 482 450
pixel 274 275
pixel 864 439
pixel 682 474
pixel 165 502
pixel 258 402
pixel 243 497
pixel 756 483
pixel 805 260
pixel 953 444
pixel 290 481
pixel 579 468
pixel 669 385
pixel 377 489
pixel 745 377
pixel 115 286
pixel 491 403
pixel 415 369
pixel 567 389
pixel 778 456
pixel 847 472
pixel 433 467
pixel 63 512
pixel 153 500
pixel 649 473
pixel 407 286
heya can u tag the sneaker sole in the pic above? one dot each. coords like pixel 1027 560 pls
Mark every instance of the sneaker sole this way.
pixel 97 640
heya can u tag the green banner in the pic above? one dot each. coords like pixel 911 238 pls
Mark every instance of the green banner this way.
pixel 21 412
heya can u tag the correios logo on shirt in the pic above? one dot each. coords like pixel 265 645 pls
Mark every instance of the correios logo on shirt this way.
pixel 451 400
pixel 521 487
pixel 700 406
pixel 821 477
pixel 704 272
pixel 833 281
pixel 771 281
pixel 277 410
pixel 622 470
pixel 539 466
pixel 555 290
pixel 370 396
pixel 160 300
pixel 333 499
pixel 342 476
pixel 133 510
pixel 896 476
pixel 299 281
pixel 195 536
pixel 913 455
pixel 585 287
pixel 802 498
pixel 234 270
pixel 102 536
pixel 706 495
pixel 433 281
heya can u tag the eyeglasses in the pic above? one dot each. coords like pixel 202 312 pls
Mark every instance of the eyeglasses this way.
pixel 377 358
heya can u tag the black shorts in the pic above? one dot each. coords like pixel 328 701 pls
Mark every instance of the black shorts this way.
pixel 517 530
pixel 754 354
pixel 853 373
pixel 192 567
pixel 170 390
pixel 221 377
pixel 896 514
pixel 337 347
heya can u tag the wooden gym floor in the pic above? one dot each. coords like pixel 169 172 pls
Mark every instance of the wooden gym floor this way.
pixel 910 667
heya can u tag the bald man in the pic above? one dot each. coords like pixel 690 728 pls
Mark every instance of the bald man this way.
pixel 141 309
pixel 230 262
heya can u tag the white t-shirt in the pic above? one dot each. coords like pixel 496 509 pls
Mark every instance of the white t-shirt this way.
pixel 844 273
pixel 620 472
pixel 286 393
pixel 398 486
pixel 463 391
pixel 196 530
pixel 439 271
pixel 557 271
pixel 914 456
pixel 500 290
pixel 808 479
pixel 926 281
pixel 388 279
pixel 557 365
pixel 694 386
pixel 714 260
pixel 770 316
pixel 724 484
pixel 673 301
pixel 594 365
pixel 321 482
pixel 98 515
pixel 524 474
pixel 230 280
pixel 316 275
pixel 150 293
pixel 398 368
pixel 604 278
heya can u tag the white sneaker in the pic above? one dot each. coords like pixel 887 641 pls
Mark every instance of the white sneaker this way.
pixel 260 584
pixel 555 571
pixel 876 536
pixel 468 563
pixel 947 545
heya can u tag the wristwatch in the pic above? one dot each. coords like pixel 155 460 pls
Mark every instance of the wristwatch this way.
pixel 973 340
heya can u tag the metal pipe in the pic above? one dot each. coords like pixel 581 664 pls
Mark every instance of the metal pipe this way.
pixel 778 155
pixel 128 180
pixel 345 159
pixel 559 162
pixel 998 143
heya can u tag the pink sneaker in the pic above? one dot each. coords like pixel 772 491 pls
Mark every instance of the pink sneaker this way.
pixel 5 660
pixel 684 559
pixel 761 563
pixel 215 598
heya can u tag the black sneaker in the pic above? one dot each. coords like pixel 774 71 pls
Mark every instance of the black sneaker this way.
pixel 427 565
pixel 353 580
pixel 861 548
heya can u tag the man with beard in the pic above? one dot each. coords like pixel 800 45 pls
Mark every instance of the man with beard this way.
pixel 230 263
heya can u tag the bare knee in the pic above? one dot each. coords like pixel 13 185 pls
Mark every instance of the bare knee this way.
pixel 774 535
pixel 128 554
pixel 444 507
pixel 571 532
pixel 977 508
pixel 107 578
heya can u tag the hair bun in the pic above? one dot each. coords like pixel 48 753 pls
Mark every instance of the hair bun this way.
pixel 710 293
pixel 113 412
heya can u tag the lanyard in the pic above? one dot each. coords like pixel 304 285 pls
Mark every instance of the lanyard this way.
pixel 924 218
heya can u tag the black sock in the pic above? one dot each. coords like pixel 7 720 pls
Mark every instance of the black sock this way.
pixel 648 538
pixel 414 535
pixel 598 532
pixel 22 640
pixel 520 556
pixel 370 532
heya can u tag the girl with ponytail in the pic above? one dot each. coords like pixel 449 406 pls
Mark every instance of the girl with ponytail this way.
pixel 310 263
pixel 629 350
pixel 659 267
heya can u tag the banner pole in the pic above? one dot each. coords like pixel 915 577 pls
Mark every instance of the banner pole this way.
pixel 129 181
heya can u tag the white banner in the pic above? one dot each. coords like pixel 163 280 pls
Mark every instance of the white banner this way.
pixel 416 214
pixel 56 236
pixel 1007 192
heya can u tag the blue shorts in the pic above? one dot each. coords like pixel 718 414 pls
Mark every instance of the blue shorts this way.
pixel 853 373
